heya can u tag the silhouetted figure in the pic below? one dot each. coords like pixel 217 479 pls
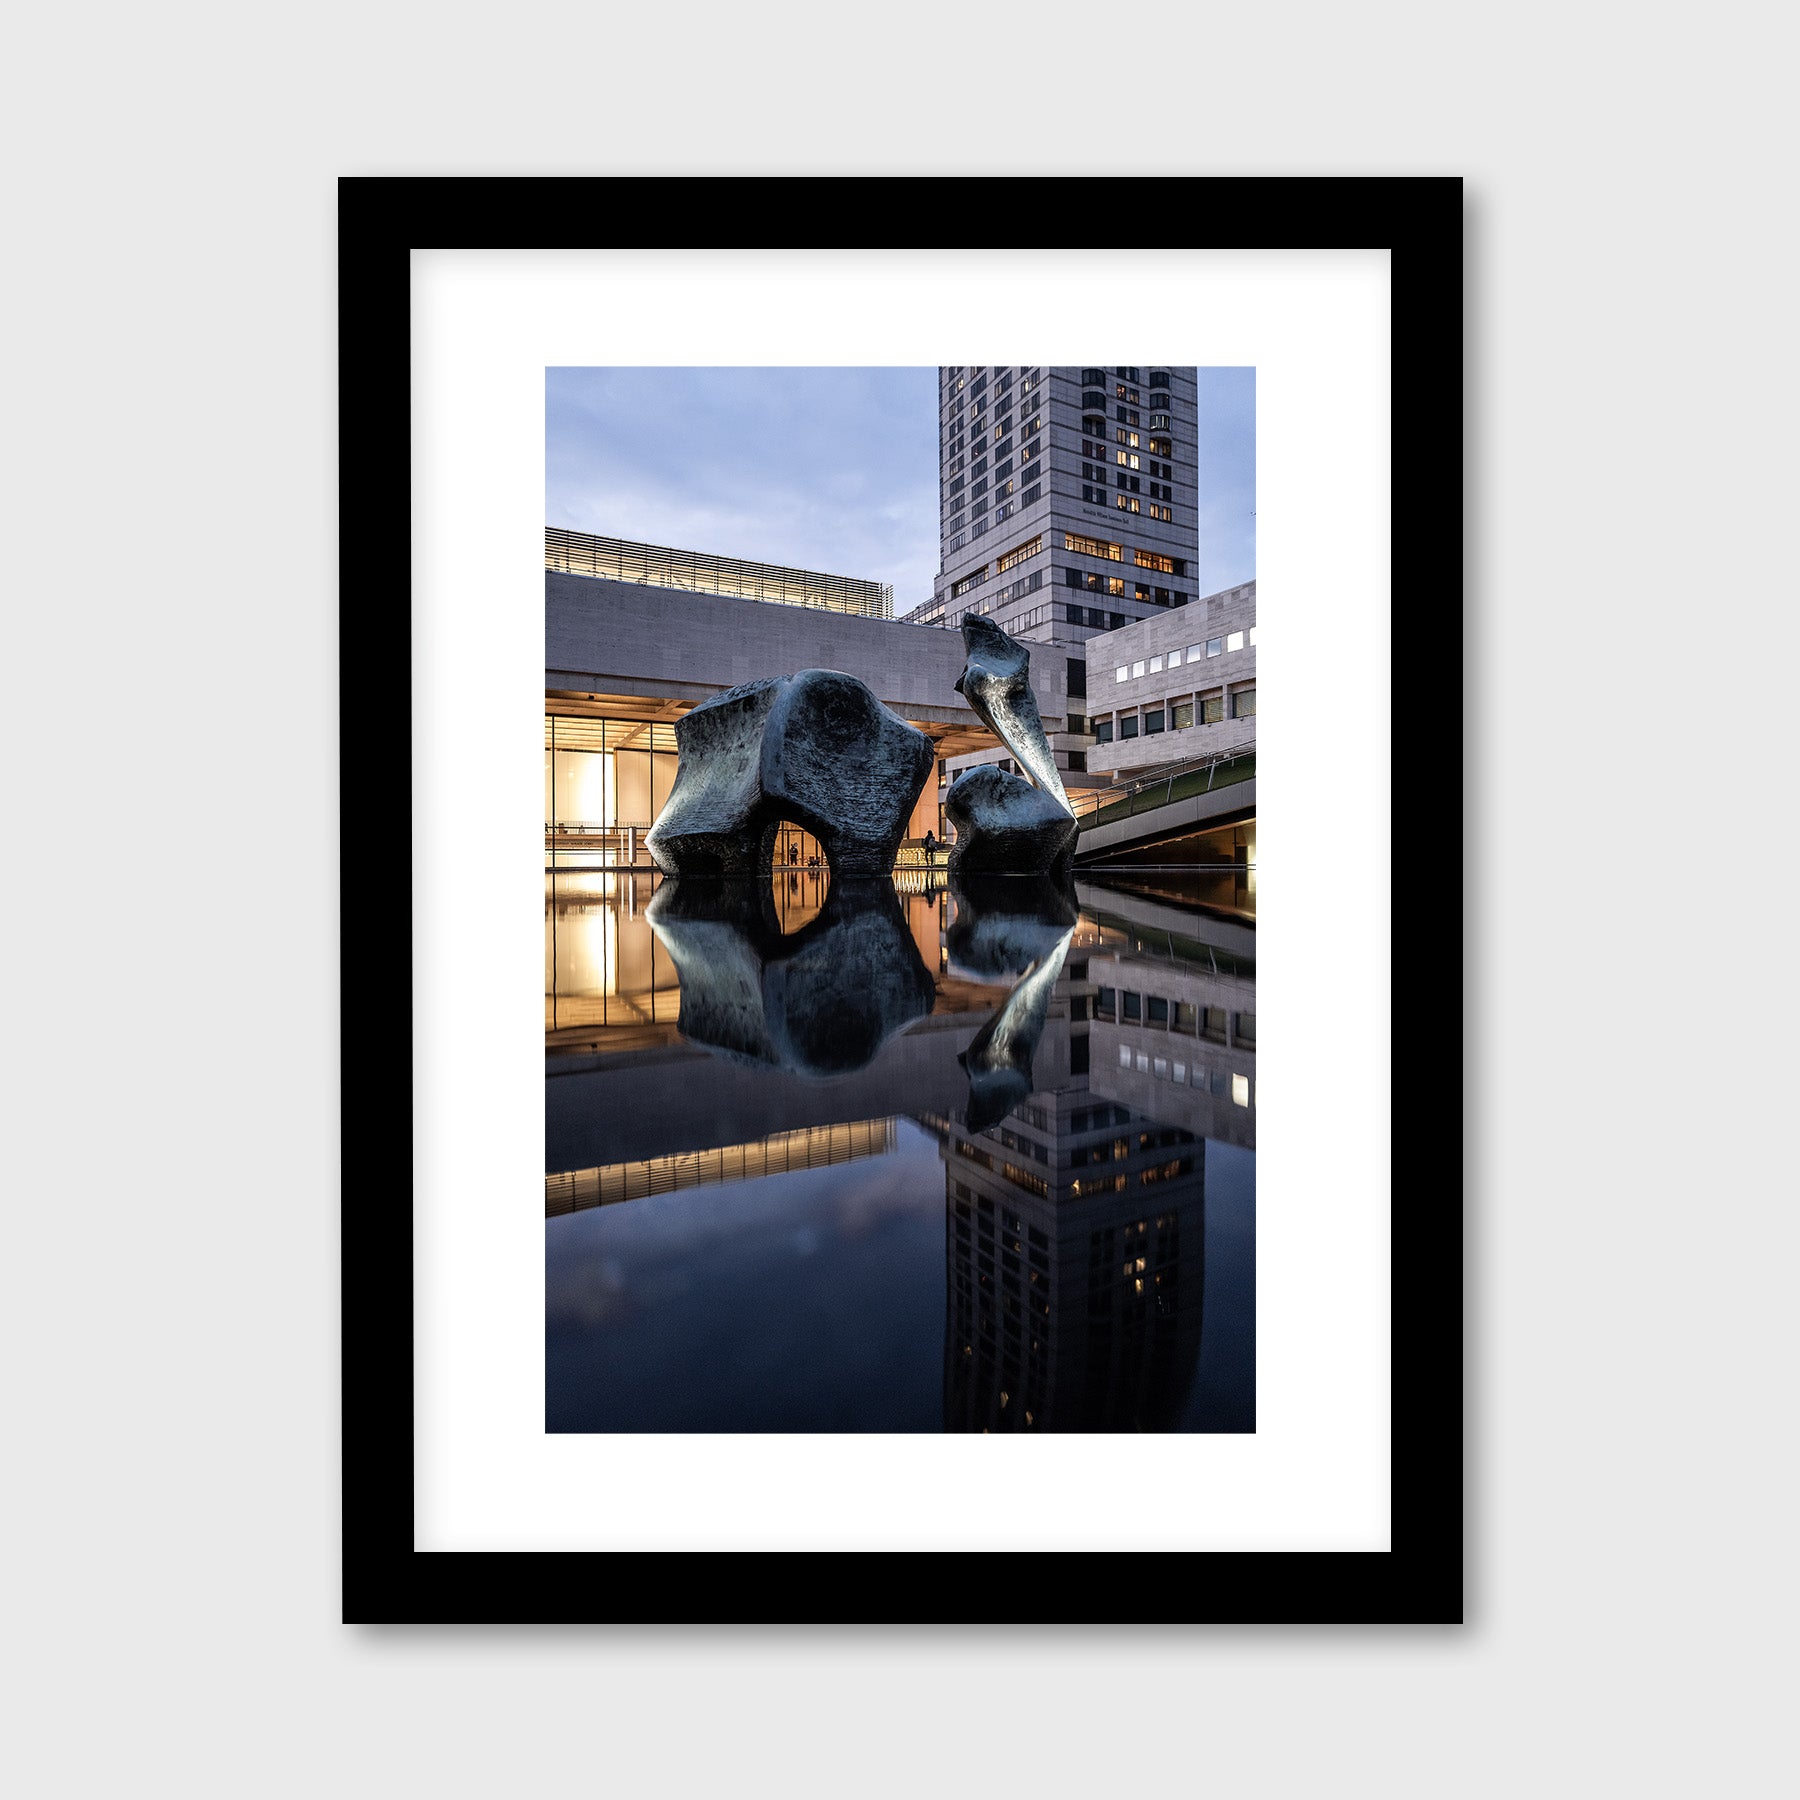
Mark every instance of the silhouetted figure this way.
pixel 930 845
pixel 793 851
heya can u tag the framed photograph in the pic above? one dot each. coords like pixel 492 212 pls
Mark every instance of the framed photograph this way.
pixel 898 1080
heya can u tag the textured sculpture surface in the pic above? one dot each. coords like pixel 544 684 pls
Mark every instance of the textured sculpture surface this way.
pixel 996 681
pixel 817 749
pixel 820 1001
pixel 1003 824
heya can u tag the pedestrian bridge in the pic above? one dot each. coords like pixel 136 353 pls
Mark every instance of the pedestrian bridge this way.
pixel 1173 811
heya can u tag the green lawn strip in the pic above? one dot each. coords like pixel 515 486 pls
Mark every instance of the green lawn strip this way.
pixel 1194 782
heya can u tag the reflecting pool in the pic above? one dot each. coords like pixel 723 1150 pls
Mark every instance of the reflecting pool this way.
pixel 891 1156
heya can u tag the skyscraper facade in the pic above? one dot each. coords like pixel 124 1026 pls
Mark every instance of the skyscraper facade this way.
pixel 1067 507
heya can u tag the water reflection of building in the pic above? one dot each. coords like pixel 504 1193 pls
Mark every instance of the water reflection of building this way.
pixel 1075 1228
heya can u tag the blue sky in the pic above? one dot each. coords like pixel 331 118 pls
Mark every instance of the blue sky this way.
pixel 832 469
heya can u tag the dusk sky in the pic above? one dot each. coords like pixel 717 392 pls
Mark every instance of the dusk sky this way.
pixel 828 469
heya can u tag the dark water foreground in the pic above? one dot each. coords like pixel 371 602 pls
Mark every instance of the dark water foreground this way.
pixel 837 1157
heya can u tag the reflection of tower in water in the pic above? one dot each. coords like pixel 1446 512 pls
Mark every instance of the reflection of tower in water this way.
pixel 1075 1244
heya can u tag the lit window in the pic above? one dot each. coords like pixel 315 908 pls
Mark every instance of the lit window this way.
pixel 1184 714
pixel 1137 668
pixel 1120 673
pixel 1235 641
pixel 1124 1056
pixel 1214 646
pixel 1240 1090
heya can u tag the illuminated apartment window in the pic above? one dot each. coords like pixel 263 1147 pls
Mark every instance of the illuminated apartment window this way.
pixel 1128 503
pixel 1243 704
pixel 1235 641
pixel 1240 1090
pixel 1184 714
pixel 1151 559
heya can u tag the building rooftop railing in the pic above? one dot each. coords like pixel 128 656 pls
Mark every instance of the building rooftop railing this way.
pixel 657 565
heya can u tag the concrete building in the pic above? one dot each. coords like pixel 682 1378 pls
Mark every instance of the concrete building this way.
pixel 635 636
pixel 1068 508
pixel 1175 686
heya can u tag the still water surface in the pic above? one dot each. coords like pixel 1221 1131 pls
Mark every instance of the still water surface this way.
pixel 856 1159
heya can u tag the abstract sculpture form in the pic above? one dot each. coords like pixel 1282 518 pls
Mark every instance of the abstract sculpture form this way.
pixel 1003 824
pixel 817 749
pixel 1015 930
pixel 820 1001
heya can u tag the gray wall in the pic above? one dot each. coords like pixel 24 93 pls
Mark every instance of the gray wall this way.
pixel 621 638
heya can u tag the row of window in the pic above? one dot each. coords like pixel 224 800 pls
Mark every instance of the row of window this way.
pixel 1208 1022
pixel 1166 1068
pixel 1180 716
pixel 1219 646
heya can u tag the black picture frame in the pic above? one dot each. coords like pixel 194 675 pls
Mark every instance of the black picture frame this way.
pixel 385 1579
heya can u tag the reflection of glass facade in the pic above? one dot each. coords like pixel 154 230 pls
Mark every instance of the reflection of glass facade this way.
pixel 602 963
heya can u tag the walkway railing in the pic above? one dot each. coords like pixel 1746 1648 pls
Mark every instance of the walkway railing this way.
pixel 1157 788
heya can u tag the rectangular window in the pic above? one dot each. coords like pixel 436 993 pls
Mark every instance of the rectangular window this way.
pixel 1115 584
pixel 1153 722
pixel 1127 727
pixel 1193 652
pixel 1077 676
pixel 1235 641
pixel 1159 1011
pixel 1133 1006
pixel 1103 731
pixel 1243 704
pixel 1214 646
pixel 1156 665
pixel 1018 554
pixel 1120 673
pixel 1151 559
pixel 968 581
pixel 1243 1028
pixel 1184 714
pixel 1212 1024
pixel 1091 546
pixel 1077 724
pixel 1212 712
pixel 1137 669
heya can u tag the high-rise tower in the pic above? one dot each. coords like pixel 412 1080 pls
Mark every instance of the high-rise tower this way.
pixel 1067 507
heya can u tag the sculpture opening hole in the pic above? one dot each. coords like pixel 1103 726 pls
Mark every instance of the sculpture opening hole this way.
pixel 800 874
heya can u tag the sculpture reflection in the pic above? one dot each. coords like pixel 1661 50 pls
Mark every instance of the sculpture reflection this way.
pixel 819 1001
